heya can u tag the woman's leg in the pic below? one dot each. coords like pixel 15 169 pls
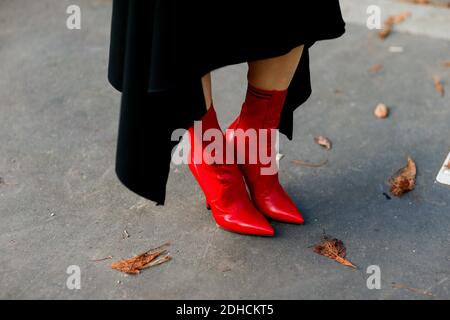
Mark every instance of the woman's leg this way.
pixel 224 188
pixel 207 90
pixel 275 73
pixel 267 90
pixel 270 74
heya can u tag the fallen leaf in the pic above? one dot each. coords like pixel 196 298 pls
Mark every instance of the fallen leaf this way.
pixel 414 290
pixel 399 18
pixel 385 32
pixel 438 85
pixel 391 21
pixel 334 249
pixel 447 64
pixel 381 111
pixel 309 165
pixel 148 259
pixel 323 142
pixel 404 180
pixel 376 68
pixel 102 259
pixel 435 3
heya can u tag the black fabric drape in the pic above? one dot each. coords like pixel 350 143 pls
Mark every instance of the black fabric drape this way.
pixel 160 49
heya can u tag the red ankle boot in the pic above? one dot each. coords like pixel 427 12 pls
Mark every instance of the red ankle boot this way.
pixel 223 185
pixel 262 110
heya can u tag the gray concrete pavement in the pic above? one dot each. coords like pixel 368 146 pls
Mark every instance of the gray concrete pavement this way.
pixel 427 20
pixel 61 203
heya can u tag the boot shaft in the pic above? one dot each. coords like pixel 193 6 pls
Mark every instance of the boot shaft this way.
pixel 262 108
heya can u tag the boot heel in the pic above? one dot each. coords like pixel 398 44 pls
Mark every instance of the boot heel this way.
pixel 224 187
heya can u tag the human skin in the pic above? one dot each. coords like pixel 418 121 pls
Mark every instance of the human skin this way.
pixel 267 74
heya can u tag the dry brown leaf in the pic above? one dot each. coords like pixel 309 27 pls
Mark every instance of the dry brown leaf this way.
pixel 381 111
pixel 102 259
pixel 376 68
pixel 145 260
pixel 428 2
pixel 414 290
pixel 334 249
pixel 323 142
pixel 385 32
pixel 391 21
pixel 447 64
pixel 438 85
pixel 404 180
pixel 399 18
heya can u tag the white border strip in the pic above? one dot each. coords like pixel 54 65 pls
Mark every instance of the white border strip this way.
pixel 444 175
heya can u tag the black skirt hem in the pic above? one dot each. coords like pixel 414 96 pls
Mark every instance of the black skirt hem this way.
pixel 157 66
